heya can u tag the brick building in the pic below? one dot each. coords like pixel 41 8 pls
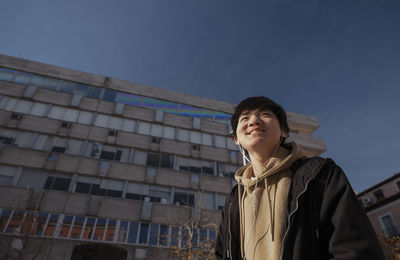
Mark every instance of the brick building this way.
pixel 96 159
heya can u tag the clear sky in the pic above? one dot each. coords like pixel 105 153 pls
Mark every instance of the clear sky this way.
pixel 337 60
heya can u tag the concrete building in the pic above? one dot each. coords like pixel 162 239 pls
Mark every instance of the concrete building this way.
pixel 87 158
pixel 382 205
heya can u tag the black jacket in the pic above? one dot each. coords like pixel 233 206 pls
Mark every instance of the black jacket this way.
pixel 325 221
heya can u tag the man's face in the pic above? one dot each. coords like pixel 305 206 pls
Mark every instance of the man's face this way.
pixel 258 129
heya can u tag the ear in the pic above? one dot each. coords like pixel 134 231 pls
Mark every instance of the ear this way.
pixel 284 134
pixel 236 140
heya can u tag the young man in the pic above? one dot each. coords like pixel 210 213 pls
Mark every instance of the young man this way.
pixel 286 206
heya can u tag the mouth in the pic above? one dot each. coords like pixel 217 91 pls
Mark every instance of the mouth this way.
pixel 256 130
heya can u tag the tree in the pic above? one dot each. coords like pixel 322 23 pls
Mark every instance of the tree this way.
pixel 20 241
pixel 190 231
pixel 391 247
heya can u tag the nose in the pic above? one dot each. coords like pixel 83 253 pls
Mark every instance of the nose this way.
pixel 254 120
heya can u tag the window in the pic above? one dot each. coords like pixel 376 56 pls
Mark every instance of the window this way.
pixel 110 230
pixel 6 140
pixel 133 232
pixel 38 109
pixel 5 215
pixel 160 160
pixel 66 226
pixel 163 239
pixel 379 195
pixel 57 183
pixel 100 227
pixel 144 230
pixel 77 228
pixel 123 231
pixel 184 199
pixel 51 225
pixel 108 155
pixel 109 95
pixel 154 230
pixel 389 226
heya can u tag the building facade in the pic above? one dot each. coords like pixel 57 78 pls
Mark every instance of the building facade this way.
pixel 382 205
pixel 91 159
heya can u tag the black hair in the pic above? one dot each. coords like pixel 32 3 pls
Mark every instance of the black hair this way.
pixel 260 103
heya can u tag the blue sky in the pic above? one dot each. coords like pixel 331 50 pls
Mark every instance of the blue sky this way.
pixel 337 60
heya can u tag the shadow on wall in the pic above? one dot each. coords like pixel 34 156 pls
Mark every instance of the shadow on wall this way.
pixel 98 252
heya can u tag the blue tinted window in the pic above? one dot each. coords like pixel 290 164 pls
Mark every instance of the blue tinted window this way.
pixel 195 238
pixel 67 86
pixel 212 234
pixel 109 95
pixel 163 235
pixel 144 230
pixel 128 99
pixel 153 234
pixel 6 74
pixel 185 238
pixel 80 90
pixel 94 92
pixel 37 80
pixel 175 236
pixel 186 110
pixel 203 235
pixel 23 78
pixel 133 232
pixel 50 83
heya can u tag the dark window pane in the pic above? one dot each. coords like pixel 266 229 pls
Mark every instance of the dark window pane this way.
pixel 175 236
pixel 153 159
pixel 155 199
pixel 114 193
pixel 107 155
pixel 195 238
pixel 191 200
pixel 133 231
pixel 94 92
pixel 58 149
pixel 144 230
pixel 49 183
pixel 132 196
pixel 185 238
pixel 203 235
pixel 6 140
pixel 212 235
pixel 80 90
pixel 195 169
pixel 5 215
pixel 61 184
pixel 180 198
pixel 118 156
pixel 109 95
pixel 208 170
pixel 97 191
pixel 163 235
pixel 67 87
pixel 153 234
pixel 82 187
pixel 166 161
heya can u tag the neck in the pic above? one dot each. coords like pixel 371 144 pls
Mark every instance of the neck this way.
pixel 260 159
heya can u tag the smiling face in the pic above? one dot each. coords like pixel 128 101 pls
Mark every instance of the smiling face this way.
pixel 258 130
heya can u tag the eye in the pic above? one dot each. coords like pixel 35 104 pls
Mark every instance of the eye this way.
pixel 243 119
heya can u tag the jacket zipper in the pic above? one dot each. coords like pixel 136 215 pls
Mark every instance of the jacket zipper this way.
pixel 229 232
pixel 290 215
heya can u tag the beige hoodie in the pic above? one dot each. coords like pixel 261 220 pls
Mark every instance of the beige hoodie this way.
pixel 263 204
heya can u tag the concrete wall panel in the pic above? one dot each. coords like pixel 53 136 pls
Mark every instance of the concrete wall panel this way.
pixel 52 97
